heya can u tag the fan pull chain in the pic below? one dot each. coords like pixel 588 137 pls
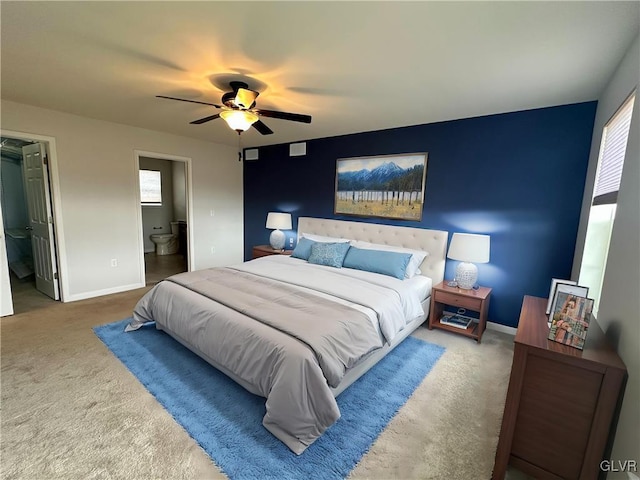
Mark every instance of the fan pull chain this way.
pixel 239 147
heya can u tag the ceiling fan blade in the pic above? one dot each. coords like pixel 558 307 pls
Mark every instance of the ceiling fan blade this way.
pixel 262 128
pixel 295 117
pixel 190 101
pixel 205 119
pixel 245 98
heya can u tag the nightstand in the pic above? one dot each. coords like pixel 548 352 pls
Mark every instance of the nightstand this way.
pixel 264 250
pixel 473 300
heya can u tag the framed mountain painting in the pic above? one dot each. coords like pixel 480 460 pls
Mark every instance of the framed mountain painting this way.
pixel 386 186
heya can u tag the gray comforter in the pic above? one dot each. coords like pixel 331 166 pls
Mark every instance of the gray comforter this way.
pixel 278 340
pixel 338 335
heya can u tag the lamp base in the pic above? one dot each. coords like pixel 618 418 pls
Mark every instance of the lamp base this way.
pixel 277 239
pixel 466 275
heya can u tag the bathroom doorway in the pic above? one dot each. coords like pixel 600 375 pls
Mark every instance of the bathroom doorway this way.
pixel 164 214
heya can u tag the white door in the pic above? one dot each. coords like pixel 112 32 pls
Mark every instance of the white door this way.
pixel 6 302
pixel 36 180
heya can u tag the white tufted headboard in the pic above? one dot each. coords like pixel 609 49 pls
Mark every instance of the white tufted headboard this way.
pixel 432 241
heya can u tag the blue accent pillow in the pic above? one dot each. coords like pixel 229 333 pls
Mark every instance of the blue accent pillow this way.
pixel 303 249
pixel 330 254
pixel 393 264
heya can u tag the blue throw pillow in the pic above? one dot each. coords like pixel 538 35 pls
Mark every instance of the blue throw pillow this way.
pixel 303 249
pixel 330 254
pixel 393 264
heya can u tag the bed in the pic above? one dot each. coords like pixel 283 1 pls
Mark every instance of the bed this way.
pixel 299 333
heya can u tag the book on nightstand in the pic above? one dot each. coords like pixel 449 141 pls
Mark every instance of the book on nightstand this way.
pixel 456 320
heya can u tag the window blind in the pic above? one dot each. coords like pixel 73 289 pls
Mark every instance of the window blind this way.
pixel 612 151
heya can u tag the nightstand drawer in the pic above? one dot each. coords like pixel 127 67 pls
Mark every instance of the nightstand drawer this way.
pixel 458 300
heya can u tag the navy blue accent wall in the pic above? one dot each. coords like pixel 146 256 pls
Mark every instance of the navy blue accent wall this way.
pixel 518 177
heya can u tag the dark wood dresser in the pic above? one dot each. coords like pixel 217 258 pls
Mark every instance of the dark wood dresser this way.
pixel 562 403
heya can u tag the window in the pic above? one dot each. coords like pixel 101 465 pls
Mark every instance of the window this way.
pixel 150 188
pixel 605 196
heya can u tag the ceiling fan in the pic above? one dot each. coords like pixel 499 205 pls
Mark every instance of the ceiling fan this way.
pixel 238 110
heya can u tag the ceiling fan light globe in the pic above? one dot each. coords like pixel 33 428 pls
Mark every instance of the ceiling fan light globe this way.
pixel 239 120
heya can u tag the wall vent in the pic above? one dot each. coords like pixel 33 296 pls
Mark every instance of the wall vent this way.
pixel 297 149
pixel 251 154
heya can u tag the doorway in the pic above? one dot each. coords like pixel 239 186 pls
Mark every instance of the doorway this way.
pixel 165 213
pixel 30 269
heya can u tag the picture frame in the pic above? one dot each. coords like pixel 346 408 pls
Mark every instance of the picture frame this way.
pixel 570 289
pixel 552 291
pixel 383 186
pixel 570 318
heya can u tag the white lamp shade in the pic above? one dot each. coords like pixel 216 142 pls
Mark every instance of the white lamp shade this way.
pixel 469 247
pixel 279 221
pixel 239 120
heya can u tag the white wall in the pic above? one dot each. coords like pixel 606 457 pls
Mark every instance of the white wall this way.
pixel 620 302
pixel 98 192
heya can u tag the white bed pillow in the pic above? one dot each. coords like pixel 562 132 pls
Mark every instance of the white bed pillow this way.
pixel 417 256
pixel 322 239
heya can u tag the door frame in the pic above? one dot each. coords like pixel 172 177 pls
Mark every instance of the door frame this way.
pixel 56 203
pixel 6 297
pixel 189 202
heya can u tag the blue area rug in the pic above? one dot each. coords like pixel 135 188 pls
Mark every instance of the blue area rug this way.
pixel 226 420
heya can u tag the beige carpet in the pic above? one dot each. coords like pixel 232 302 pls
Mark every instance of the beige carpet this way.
pixel 71 410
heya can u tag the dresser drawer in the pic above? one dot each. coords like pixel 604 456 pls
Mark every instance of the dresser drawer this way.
pixel 458 300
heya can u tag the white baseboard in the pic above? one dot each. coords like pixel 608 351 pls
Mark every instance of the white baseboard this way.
pixel 100 293
pixel 502 328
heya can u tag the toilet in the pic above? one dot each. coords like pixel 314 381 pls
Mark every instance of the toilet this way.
pixel 167 243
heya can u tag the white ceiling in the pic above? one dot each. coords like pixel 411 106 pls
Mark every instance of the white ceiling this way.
pixel 353 66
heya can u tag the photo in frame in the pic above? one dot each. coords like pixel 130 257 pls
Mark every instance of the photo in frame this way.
pixel 570 319
pixel 385 186
pixel 552 292
pixel 575 290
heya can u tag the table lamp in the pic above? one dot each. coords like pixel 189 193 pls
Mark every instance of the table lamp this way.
pixel 277 221
pixel 470 249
